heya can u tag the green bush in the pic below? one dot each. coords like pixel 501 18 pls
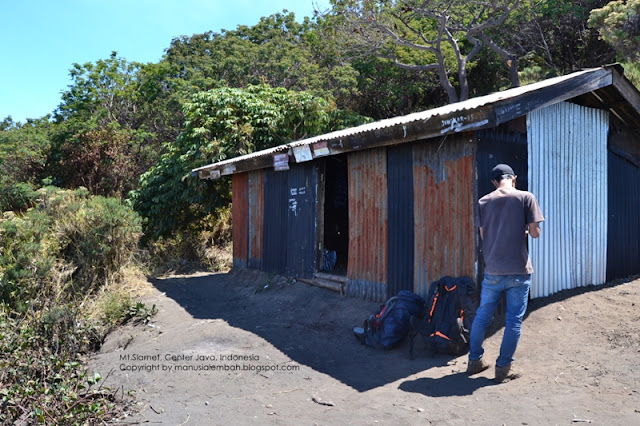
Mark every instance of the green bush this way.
pixel 16 197
pixel 53 260
pixel 207 246
pixel 118 308
pixel 97 236
pixel 66 248
pixel 43 381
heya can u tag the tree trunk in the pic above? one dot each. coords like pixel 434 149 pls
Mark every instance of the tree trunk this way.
pixel 513 71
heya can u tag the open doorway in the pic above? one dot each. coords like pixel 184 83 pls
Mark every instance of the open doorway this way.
pixel 336 212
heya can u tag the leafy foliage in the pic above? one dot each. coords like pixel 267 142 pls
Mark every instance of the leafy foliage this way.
pixel 16 196
pixel 619 24
pixel 106 161
pixel 23 150
pixel 71 244
pixel 220 124
pixel 53 258
pixel 101 139
pixel 278 51
pixel 103 92
pixel 551 37
pixel 440 36
pixel 41 383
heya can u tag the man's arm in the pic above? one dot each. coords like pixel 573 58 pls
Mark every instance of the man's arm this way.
pixel 534 229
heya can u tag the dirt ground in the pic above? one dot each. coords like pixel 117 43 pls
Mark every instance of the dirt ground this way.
pixel 247 348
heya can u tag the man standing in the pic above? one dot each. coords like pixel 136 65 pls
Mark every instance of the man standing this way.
pixel 506 216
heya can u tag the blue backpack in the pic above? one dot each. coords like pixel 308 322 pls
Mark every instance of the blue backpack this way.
pixel 387 328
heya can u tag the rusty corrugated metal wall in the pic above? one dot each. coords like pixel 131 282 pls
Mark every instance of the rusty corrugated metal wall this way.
pixel 568 175
pixel 444 193
pixel 256 212
pixel 240 218
pixel 367 268
pixel 623 255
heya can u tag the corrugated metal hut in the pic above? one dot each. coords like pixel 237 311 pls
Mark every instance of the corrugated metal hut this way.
pixel 396 199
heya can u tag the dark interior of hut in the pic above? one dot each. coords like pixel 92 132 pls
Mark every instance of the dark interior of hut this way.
pixel 336 211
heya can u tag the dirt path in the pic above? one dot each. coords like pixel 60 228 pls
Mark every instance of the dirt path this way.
pixel 290 358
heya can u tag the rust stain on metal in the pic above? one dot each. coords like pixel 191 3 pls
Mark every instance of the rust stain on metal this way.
pixel 240 215
pixel 368 216
pixel 443 210
pixel 256 215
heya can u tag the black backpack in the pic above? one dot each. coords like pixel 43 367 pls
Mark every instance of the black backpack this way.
pixel 446 321
pixel 392 324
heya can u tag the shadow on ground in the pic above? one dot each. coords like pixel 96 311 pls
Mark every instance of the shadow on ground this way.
pixel 312 326
pixel 456 384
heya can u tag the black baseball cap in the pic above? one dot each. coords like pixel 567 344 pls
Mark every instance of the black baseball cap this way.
pixel 501 170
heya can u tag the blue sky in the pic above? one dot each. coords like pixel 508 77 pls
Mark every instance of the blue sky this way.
pixel 43 38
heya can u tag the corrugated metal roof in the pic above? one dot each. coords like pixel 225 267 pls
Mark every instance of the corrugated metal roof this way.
pixel 508 111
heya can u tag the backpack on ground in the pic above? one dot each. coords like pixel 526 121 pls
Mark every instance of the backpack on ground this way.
pixel 449 312
pixel 392 324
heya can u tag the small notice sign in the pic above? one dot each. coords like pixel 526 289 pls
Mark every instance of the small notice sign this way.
pixel 228 170
pixel 302 153
pixel 321 149
pixel 281 162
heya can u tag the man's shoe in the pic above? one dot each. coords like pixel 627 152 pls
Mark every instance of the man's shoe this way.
pixel 476 366
pixel 506 372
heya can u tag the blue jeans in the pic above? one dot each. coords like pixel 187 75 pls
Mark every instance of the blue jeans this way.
pixel 516 288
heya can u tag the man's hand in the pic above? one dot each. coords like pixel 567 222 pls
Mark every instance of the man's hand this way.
pixel 533 229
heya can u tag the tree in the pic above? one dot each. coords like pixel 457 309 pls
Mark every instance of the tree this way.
pixel 105 160
pixel 435 35
pixel 619 24
pixel 24 149
pixel 101 139
pixel 223 123
pixel 103 92
pixel 278 51
pixel 551 37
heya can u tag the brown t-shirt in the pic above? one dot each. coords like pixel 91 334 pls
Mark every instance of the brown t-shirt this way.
pixel 503 216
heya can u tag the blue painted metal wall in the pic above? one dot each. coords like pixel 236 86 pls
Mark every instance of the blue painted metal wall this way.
pixel 274 233
pixel 501 145
pixel 400 227
pixel 289 221
pixel 301 220
pixel 623 254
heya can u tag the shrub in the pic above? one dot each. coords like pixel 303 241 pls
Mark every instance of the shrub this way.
pixel 55 260
pixel 206 246
pixel 71 245
pixel 17 197
pixel 43 381
pixel 97 237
